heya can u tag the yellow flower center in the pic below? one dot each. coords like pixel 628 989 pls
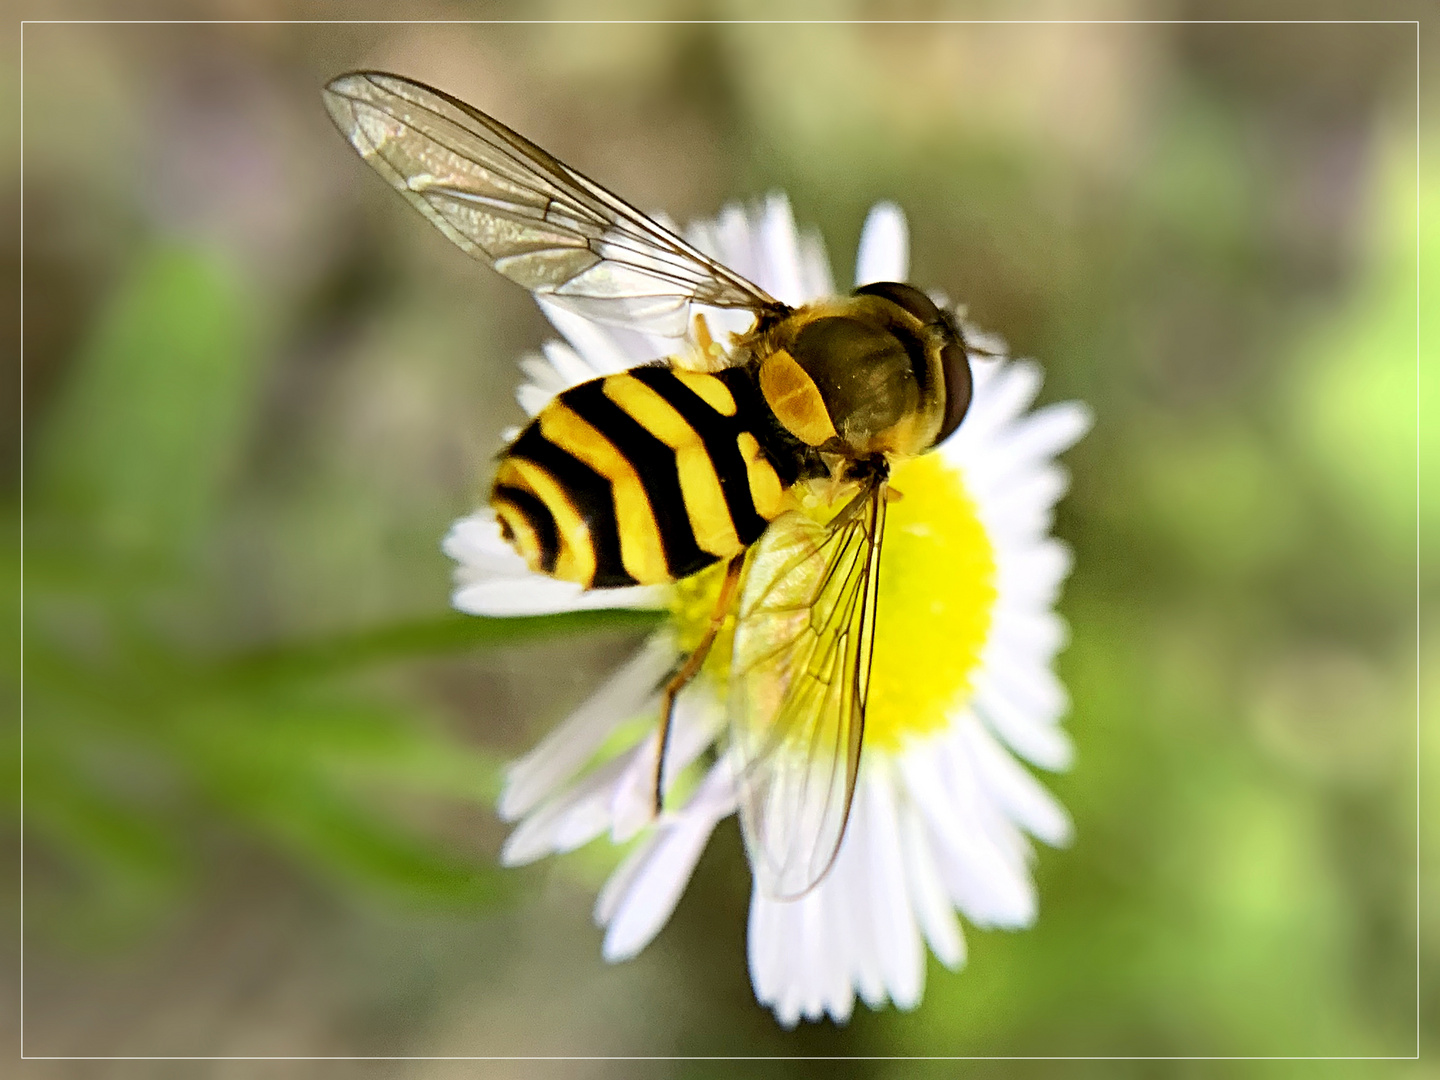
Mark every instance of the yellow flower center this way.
pixel 937 595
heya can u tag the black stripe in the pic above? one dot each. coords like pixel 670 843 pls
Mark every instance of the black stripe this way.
pixel 791 459
pixel 718 433
pixel 655 464
pixel 591 495
pixel 537 515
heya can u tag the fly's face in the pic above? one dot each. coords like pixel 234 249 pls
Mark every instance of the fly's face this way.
pixel 882 372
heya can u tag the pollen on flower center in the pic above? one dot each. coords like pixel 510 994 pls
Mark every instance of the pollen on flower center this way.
pixel 937 592
pixel 937 596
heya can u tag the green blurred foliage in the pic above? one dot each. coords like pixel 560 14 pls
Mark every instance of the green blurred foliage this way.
pixel 145 726
pixel 139 450
pixel 1360 391
pixel 259 405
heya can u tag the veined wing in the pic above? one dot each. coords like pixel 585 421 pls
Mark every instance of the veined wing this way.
pixel 506 202
pixel 801 669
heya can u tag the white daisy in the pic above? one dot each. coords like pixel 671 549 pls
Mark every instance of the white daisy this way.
pixel 962 682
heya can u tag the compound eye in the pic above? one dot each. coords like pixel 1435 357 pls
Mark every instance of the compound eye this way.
pixel 906 296
pixel 956 364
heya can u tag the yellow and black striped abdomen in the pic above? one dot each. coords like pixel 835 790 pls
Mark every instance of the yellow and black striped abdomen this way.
pixel 644 477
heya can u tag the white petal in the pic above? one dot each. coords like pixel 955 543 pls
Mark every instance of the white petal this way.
pixel 475 543
pixel 533 398
pixel 830 976
pixel 1022 512
pixel 884 246
pixel 632 803
pixel 698 719
pixel 738 246
pixel 566 822
pixel 816 279
pixel 492 579
pixel 1029 685
pixel 999 398
pixel 808 956
pixel 622 879
pixel 704 234
pixel 762 947
pixel 560 754
pixel 781 247
pixel 1025 635
pixel 802 991
pixel 840 994
pixel 662 869
pixel 1028 576
pixel 932 907
pixel 846 888
pixel 798 956
pixel 984 340
pixel 897 940
pixel 1030 736
pixel 1001 484
pixel 1004 490
pixel 731 240
pixel 813 939
pixel 541 371
pixel 1046 432
pixel 984 370
pixel 570 367
pixel 982 877
pixel 1014 790
pixel 537 594
pixel 597 345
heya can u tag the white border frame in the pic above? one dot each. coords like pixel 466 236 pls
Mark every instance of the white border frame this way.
pixel 680 22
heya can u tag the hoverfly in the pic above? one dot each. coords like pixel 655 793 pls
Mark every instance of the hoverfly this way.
pixel 654 474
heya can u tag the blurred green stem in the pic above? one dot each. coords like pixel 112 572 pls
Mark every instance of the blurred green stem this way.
pixel 423 637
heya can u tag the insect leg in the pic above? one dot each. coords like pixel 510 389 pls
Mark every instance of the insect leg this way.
pixel 690 668
pixel 703 340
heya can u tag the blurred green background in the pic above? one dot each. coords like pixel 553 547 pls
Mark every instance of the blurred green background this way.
pixel 260 754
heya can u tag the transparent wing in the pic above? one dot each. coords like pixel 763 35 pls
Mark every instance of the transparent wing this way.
pixel 801 668
pixel 506 202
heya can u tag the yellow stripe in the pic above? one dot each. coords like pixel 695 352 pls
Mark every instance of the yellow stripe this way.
pixel 795 399
pixel 765 489
pixel 523 538
pixel 705 506
pixel 709 389
pixel 576 560
pixel 641 552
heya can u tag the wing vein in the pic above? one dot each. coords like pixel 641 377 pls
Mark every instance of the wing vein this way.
pixel 505 201
pixel 803 648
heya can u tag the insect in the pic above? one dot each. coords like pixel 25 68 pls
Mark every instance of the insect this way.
pixel 657 473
